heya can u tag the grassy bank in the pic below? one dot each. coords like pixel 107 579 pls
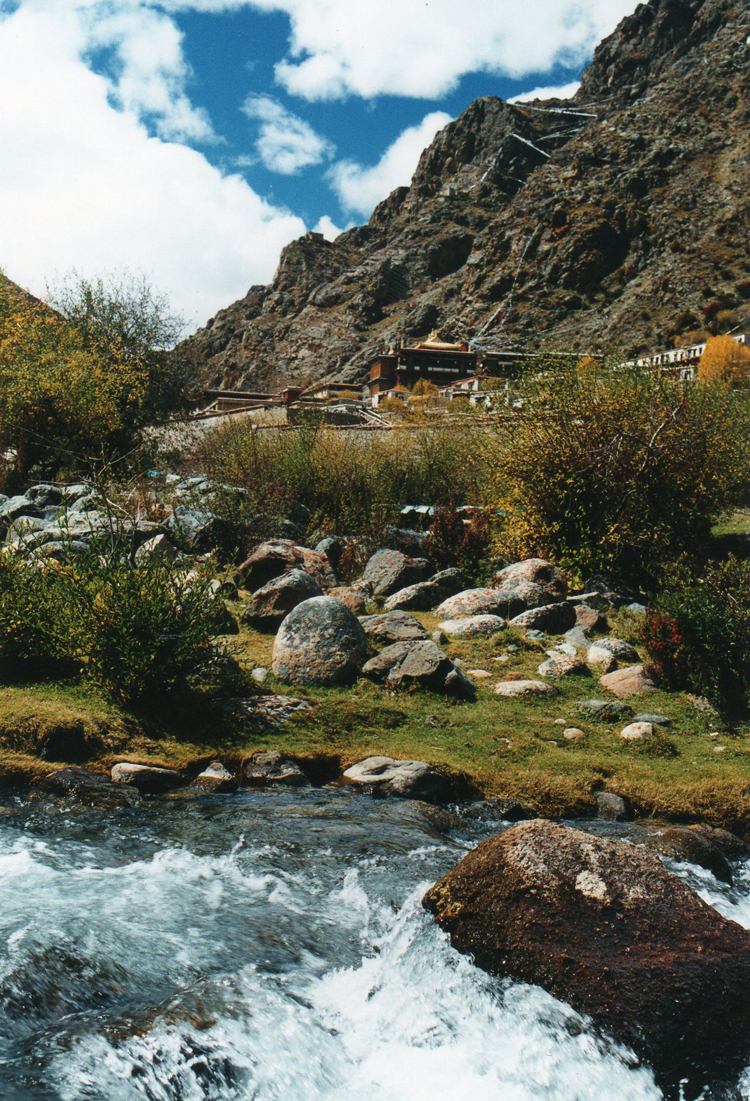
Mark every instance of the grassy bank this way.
pixel 506 747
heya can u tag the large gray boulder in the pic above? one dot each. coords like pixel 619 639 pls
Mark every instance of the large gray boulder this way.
pixel 271 603
pixel 419 665
pixel 427 594
pixel 472 602
pixel 319 643
pixel 278 556
pixel 535 571
pixel 555 619
pixel 393 627
pixel 602 925
pixel 390 570
pixel 473 626
pixel 405 779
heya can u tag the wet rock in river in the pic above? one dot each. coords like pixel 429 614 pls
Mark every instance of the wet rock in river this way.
pixel 89 788
pixel 604 926
pixel 216 778
pixel 146 778
pixel 406 779
pixel 270 768
pixel 681 843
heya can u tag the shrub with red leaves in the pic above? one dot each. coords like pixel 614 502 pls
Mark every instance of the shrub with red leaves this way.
pixel 665 644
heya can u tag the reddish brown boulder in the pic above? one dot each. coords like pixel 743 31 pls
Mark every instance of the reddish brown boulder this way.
pixel 279 556
pixel 602 925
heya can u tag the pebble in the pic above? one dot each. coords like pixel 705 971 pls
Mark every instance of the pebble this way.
pixel 259 675
pixel 573 734
pixel 480 674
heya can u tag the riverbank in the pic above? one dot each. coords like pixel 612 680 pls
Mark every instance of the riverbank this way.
pixel 691 769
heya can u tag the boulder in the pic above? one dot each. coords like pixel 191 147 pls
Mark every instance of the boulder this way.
pixel 393 627
pixel 405 779
pixel 680 843
pixel 632 681
pixel 269 768
pixel 472 602
pixel 563 665
pixel 158 546
pixel 278 556
pixel 146 778
pixel 589 619
pixel 733 847
pixel 602 925
pixel 427 594
pixel 555 619
pixel 605 659
pixel 333 548
pixel 472 626
pixel 275 600
pixel 536 571
pixel 216 778
pixel 623 651
pixel 319 643
pixel 198 530
pixel 521 689
pixel 351 597
pixel 406 540
pixel 615 808
pixel 419 664
pixel 388 571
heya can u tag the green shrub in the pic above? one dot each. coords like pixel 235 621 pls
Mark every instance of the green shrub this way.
pixel 138 631
pixel 698 635
pixel 617 470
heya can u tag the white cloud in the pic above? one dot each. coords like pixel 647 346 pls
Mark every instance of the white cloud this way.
pixel 413 48
pixel 361 188
pixel 83 185
pixel 561 91
pixel 286 143
pixel 328 228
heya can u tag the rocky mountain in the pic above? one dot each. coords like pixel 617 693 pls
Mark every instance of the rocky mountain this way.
pixel 616 220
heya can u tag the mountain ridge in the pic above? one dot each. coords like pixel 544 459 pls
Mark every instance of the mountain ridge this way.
pixel 617 218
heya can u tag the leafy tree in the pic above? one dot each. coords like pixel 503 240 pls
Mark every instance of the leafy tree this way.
pixel 78 383
pixel 725 361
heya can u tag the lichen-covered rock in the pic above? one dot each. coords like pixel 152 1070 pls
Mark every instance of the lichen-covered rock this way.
pixel 319 643
pixel 419 665
pixel 352 598
pixel 472 626
pixel 605 711
pixel 555 619
pixel 563 665
pixel 396 626
pixel 268 606
pixel 388 571
pixel 406 779
pixel 472 602
pixel 269 768
pixel 276 557
pixel 535 571
pixel 602 925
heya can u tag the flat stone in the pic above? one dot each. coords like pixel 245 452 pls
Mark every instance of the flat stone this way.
pixel 655 720
pixel 269 768
pixel 216 778
pixel 562 665
pixel 632 681
pixel 146 778
pixel 604 710
pixel 635 732
pixel 473 626
pixel 396 626
pixel 522 689
pixel 478 674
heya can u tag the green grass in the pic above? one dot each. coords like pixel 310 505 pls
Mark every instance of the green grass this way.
pixel 506 747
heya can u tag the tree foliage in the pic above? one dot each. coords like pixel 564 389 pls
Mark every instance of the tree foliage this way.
pixel 725 361
pixel 77 383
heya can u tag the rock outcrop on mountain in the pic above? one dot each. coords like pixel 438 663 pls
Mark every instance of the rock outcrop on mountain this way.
pixel 617 219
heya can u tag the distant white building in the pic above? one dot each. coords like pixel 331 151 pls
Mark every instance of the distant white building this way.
pixel 682 363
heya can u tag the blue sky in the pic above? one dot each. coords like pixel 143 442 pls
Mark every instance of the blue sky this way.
pixel 191 139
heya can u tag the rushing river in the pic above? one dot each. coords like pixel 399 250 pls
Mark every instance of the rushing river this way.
pixel 268 947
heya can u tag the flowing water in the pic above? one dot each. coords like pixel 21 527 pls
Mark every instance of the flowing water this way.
pixel 267 946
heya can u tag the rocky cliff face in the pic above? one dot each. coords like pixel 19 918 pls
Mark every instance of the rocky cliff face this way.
pixel 614 220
